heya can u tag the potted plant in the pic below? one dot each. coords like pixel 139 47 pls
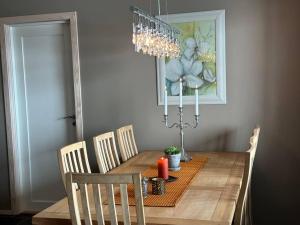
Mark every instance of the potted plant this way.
pixel 173 154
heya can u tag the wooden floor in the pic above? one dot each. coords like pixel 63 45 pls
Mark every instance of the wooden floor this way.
pixel 210 198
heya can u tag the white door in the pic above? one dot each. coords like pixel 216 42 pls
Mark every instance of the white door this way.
pixel 44 102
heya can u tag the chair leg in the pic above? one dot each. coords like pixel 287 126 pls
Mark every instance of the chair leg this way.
pixel 245 214
pixel 250 206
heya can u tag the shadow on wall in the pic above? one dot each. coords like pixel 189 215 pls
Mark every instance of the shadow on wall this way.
pixel 276 173
pixel 217 143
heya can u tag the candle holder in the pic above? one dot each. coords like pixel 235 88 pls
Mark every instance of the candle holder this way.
pixel 158 186
pixel 185 157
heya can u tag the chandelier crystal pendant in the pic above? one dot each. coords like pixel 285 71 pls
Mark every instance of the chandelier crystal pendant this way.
pixel 153 36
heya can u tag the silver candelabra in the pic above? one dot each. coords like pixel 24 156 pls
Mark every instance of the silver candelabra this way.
pixel 185 157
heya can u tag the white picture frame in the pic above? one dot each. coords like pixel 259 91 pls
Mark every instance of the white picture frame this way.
pixel 220 63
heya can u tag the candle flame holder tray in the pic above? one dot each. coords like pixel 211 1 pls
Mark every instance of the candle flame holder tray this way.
pixel 170 179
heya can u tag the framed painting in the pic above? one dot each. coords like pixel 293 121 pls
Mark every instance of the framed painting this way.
pixel 201 63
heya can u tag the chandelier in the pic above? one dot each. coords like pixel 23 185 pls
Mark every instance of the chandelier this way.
pixel 153 36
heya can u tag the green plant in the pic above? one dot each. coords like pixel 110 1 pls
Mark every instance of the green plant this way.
pixel 172 150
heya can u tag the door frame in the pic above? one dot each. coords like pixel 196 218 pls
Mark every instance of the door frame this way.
pixel 9 93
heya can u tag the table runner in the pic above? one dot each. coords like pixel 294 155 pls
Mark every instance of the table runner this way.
pixel 174 190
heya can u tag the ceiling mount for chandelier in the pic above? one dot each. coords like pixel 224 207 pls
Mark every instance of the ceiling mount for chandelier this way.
pixel 153 36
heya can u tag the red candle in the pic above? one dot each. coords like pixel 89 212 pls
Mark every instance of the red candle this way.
pixel 162 167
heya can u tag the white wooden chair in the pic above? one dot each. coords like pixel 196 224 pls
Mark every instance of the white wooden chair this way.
pixel 106 152
pixel 243 208
pixel 73 158
pixel 109 180
pixel 127 144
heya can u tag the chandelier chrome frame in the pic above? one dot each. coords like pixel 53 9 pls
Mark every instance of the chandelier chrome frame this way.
pixel 153 36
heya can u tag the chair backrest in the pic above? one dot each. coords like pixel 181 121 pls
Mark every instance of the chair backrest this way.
pixel 126 142
pixel 106 152
pixel 73 158
pixel 246 182
pixel 109 180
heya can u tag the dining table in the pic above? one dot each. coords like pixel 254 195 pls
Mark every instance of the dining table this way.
pixel 209 199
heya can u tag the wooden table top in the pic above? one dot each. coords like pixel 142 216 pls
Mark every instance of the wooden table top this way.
pixel 210 198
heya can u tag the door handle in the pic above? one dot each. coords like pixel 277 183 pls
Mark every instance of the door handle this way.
pixel 73 117
pixel 69 117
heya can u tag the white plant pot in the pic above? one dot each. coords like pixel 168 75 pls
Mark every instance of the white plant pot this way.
pixel 174 161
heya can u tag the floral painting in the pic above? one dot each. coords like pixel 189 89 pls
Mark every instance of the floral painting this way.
pixel 200 64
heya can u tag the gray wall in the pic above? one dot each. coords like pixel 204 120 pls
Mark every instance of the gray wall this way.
pixel 276 175
pixel 119 87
